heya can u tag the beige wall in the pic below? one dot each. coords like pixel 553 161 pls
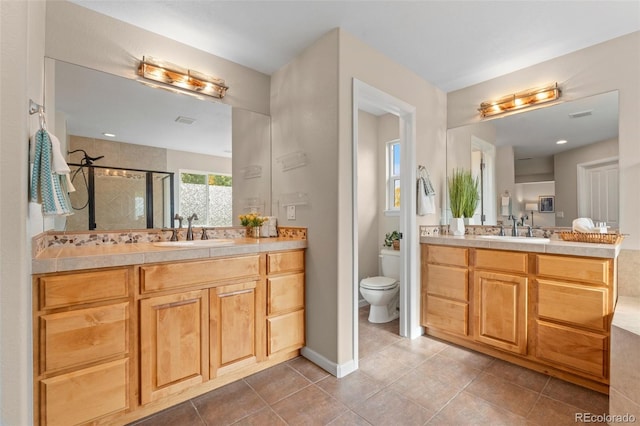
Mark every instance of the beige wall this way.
pixel 251 140
pixel 80 36
pixel 369 211
pixel 304 117
pixel 565 170
pixel 21 76
pixel 364 63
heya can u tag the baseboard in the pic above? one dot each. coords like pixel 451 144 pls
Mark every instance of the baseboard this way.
pixel 338 370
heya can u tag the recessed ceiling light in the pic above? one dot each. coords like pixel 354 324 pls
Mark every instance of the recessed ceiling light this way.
pixel 109 135
pixel 581 113
pixel 561 142
pixel 185 120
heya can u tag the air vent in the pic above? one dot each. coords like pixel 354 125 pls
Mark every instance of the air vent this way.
pixel 185 120
pixel 524 159
pixel 580 114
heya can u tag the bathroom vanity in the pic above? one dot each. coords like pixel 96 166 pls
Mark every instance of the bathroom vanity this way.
pixel 545 306
pixel 149 327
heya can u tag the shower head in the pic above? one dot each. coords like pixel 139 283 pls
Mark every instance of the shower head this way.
pixel 86 161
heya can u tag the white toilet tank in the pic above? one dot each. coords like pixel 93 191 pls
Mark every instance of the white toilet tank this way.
pixel 390 263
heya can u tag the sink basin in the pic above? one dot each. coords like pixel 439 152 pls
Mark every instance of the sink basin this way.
pixel 216 242
pixel 510 239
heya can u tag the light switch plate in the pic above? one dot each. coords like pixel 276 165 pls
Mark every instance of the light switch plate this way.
pixel 291 212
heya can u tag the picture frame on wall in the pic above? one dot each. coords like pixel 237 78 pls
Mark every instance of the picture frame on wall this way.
pixel 546 204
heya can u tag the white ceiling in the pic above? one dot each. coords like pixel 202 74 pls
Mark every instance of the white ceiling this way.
pixel 452 44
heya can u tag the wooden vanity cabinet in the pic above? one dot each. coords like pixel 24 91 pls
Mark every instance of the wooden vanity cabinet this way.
pixel 500 299
pixel 82 346
pixel 445 289
pixel 173 343
pixel 114 345
pixel 575 304
pixel 285 301
pixel 551 313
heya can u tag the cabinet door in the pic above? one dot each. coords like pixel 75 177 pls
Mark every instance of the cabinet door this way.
pixel 232 327
pixel 85 395
pixel 285 332
pixel 173 343
pixel 501 311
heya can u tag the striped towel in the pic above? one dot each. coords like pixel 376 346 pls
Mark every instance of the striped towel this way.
pixel 47 187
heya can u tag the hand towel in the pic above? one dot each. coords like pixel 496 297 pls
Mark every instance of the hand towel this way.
pixel 60 166
pixel 426 197
pixel 505 206
pixel 47 187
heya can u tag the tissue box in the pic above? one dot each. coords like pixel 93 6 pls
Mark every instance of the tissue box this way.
pixel 270 227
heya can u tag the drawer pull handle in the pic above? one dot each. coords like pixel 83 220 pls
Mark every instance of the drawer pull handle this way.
pixel 235 293
pixel 175 304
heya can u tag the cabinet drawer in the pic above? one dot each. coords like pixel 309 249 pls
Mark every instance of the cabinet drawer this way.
pixel 577 350
pixel 573 303
pixel 594 271
pixel 175 275
pixel 285 261
pixel 63 290
pixel 84 395
pixel 285 293
pixel 448 282
pixel 499 260
pixel 454 256
pixel 285 332
pixel 448 315
pixel 82 336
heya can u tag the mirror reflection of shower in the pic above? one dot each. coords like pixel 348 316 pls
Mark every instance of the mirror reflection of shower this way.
pixel 115 198
pixel 483 167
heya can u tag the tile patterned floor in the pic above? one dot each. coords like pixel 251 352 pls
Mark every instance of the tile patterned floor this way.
pixel 400 382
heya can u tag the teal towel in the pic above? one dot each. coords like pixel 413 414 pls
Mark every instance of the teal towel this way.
pixel 47 187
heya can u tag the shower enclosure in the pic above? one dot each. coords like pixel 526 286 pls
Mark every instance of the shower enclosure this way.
pixel 112 198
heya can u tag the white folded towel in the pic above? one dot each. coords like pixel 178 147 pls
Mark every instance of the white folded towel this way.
pixel 584 224
pixel 505 208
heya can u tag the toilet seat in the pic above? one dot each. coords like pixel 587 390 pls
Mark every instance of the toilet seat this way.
pixel 378 283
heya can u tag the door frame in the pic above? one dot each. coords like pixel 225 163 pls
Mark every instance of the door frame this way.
pixel 364 94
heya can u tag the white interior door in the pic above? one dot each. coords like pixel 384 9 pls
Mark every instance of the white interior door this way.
pixel 598 191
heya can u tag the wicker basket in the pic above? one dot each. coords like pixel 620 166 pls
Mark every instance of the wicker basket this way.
pixel 591 237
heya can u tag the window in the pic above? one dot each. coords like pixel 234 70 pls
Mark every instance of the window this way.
pixel 208 195
pixel 393 176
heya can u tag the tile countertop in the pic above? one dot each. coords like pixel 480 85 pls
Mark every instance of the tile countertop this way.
pixel 59 259
pixel 552 247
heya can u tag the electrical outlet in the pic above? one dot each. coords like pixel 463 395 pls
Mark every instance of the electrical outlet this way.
pixel 291 212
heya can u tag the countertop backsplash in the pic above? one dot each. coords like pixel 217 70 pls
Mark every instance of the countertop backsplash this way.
pixel 93 238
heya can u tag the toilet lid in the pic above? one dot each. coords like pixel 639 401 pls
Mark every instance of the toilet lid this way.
pixel 378 283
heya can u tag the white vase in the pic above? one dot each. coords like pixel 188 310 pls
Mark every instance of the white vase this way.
pixel 457 226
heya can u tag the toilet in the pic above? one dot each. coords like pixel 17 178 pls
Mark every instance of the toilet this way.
pixel 382 293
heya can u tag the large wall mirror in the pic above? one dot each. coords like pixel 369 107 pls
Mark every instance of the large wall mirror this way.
pixel 550 165
pixel 143 153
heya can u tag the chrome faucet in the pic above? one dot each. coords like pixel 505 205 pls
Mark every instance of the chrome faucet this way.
pixel 190 219
pixel 514 229
pixel 529 231
pixel 179 219
pixel 501 230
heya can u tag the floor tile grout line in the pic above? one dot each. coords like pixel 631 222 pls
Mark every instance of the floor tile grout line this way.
pixel 197 412
pixel 535 404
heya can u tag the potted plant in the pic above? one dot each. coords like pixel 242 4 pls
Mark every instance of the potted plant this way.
pixel 463 198
pixel 392 239
pixel 471 198
pixel 253 222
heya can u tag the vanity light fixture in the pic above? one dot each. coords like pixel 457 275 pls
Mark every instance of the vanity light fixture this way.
pixel 182 78
pixel 520 100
